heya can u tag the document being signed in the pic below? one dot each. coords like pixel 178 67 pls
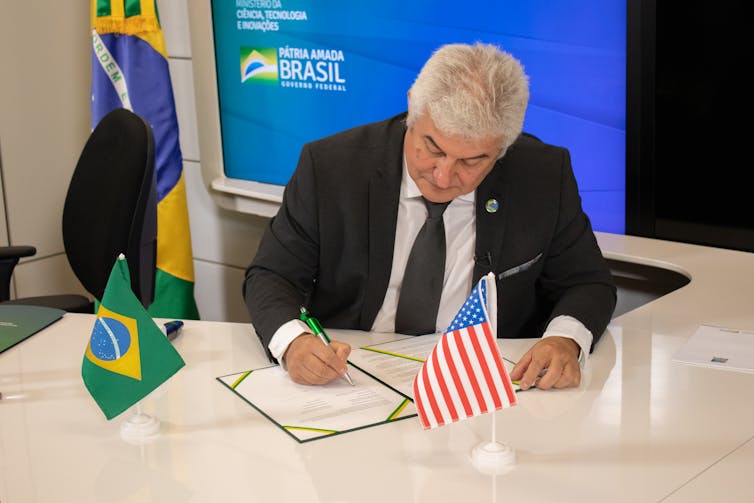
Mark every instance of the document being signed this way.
pixel 396 363
pixel 311 412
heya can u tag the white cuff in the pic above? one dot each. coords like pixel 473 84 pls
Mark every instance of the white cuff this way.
pixel 283 336
pixel 568 326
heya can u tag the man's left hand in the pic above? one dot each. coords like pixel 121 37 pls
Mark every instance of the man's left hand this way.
pixel 553 362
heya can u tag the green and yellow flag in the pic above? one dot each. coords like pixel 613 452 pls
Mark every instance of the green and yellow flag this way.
pixel 128 356
pixel 130 70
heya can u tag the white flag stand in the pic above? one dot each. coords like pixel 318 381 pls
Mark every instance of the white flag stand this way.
pixel 493 457
pixel 140 427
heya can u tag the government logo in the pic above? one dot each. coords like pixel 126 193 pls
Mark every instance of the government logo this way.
pixel 259 65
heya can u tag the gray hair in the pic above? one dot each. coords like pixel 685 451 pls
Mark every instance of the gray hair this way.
pixel 475 91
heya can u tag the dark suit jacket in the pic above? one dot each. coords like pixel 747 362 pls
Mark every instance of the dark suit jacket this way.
pixel 330 247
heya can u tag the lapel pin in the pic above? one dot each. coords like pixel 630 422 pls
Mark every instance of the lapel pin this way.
pixel 491 205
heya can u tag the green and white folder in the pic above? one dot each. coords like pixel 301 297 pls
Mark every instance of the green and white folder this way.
pixel 312 412
pixel 18 322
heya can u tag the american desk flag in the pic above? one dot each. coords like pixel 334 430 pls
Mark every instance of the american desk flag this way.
pixel 464 375
pixel 128 356
pixel 130 70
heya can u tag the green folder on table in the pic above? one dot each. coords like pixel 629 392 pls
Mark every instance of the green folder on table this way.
pixel 19 322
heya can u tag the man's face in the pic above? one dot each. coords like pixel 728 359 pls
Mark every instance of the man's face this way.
pixel 445 167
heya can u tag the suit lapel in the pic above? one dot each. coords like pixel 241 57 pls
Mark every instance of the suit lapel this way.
pixel 490 222
pixel 384 194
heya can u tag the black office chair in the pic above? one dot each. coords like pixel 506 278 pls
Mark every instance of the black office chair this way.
pixel 9 256
pixel 110 208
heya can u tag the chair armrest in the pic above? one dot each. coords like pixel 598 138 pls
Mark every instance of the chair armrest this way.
pixel 9 256
pixel 16 252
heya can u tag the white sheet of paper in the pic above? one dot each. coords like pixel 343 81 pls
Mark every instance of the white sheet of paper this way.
pixel 718 347
pixel 396 363
pixel 311 412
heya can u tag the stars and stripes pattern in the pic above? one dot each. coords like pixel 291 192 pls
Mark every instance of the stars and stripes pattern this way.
pixel 464 375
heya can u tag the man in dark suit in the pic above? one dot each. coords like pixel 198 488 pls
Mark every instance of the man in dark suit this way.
pixel 341 240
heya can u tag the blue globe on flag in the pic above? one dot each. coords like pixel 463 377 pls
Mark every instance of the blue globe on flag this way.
pixel 110 339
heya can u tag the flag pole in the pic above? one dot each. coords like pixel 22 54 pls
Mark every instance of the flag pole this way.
pixel 494 429
pixel 493 457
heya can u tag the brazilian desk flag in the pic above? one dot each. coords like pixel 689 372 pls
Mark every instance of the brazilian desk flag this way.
pixel 128 356
pixel 130 70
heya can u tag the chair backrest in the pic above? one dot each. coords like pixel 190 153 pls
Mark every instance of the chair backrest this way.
pixel 111 205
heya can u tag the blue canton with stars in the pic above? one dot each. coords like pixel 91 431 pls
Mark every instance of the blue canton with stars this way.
pixel 472 312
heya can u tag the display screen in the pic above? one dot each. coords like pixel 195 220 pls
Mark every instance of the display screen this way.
pixel 291 71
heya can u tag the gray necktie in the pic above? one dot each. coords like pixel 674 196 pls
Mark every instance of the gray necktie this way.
pixel 422 281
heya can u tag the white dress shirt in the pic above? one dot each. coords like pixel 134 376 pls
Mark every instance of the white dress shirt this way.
pixel 460 224
pixel 460 236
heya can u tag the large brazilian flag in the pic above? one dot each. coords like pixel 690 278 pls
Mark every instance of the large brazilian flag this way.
pixel 130 70
pixel 128 356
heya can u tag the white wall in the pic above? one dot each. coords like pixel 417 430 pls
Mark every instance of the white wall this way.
pixel 44 100
pixel 44 123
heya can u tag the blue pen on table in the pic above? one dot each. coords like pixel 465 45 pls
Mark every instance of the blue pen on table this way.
pixel 172 329
pixel 316 327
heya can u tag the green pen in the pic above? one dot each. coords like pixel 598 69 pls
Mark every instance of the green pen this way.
pixel 316 327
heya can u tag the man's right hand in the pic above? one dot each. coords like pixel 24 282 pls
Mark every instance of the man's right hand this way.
pixel 310 361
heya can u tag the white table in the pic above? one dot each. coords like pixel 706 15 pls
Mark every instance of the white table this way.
pixel 640 428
